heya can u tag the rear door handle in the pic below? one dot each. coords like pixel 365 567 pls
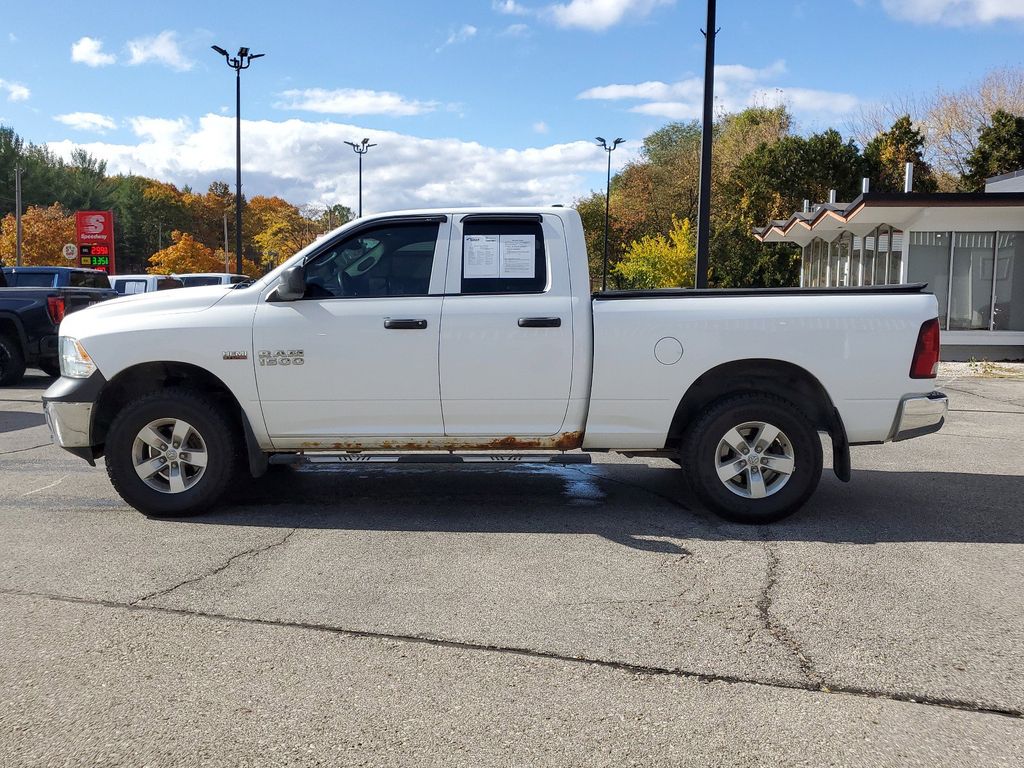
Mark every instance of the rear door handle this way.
pixel 540 322
pixel 404 325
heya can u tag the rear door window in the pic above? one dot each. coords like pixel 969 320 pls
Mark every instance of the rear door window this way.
pixel 503 257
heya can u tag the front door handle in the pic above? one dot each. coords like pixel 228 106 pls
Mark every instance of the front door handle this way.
pixel 404 325
pixel 540 322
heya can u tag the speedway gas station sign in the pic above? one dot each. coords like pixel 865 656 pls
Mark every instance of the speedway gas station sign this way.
pixel 95 234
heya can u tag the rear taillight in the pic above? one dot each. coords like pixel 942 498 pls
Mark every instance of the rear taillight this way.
pixel 55 306
pixel 925 364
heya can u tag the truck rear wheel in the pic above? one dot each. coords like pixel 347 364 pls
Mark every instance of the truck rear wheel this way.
pixel 12 361
pixel 171 454
pixel 752 458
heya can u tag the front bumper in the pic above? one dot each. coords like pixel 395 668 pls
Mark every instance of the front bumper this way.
pixel 69 423
pixel 920 415
pixel 68 406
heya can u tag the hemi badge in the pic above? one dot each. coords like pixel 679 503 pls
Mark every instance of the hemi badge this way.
pixel 236 355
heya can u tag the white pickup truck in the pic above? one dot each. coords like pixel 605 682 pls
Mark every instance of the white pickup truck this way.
pixel 472 335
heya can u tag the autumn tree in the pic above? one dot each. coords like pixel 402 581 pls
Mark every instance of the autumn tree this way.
pixel 44 233
pixel 658 261
pixel 187 254
pixel 1000 149
pixel 887 154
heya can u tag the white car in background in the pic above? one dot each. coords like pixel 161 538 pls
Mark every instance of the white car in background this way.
pixel 128 285
pixel 194 279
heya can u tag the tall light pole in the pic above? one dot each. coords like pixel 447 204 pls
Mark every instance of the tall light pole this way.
pixel 607 203
pixel 361 149
pixel 707 136
pixel 238 63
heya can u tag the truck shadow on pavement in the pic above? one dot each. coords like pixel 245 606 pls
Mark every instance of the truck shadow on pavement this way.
pixel 641 507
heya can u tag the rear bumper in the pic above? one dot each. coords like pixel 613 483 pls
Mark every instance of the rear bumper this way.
pixel 920 415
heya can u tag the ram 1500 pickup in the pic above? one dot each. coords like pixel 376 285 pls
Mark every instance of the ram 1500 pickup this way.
pixel 472 335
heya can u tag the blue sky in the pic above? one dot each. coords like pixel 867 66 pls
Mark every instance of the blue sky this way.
pixel 485 102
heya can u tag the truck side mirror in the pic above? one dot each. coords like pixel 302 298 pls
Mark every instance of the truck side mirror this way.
pixel 293 284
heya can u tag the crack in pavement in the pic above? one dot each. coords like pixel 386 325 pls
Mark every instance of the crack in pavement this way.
pixel 984 397
pixel 774 627
pixel 252 552
pixel 22 450
pixel 621 666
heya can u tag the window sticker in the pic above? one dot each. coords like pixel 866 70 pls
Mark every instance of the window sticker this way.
pixel 481 253
pixel 517 256
pixel 489 256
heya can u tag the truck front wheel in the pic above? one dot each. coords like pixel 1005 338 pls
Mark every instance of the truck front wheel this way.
pixel 752 458
pixel 172 453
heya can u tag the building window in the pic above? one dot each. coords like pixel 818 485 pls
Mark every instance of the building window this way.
pixel 1009 276
pixel 805 267
pixel 869 258
pixel 970 289
pixel 928 262
pixel 880 271
pixel 855 256
pixel 895 257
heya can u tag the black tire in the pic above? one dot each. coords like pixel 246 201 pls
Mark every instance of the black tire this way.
pixel 12 361
pixel 50 368
pixel 217 433
pixel 704 449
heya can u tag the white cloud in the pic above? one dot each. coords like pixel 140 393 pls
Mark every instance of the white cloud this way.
pixel 353 101
pixel 540 127
pixel 460 35
pixel 595 15
pixel 308 162
pixel 87 121
pixel 600 14
pixel 89 51
pixel 161 49
pixel 736 87
pixel 515 30
pixel 510 7
pixel 15 91
pixel 11 37
pixel 955 12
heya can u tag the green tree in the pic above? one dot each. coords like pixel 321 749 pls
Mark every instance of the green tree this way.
pixel 887 154
pixel 1000 149
pixel 658 261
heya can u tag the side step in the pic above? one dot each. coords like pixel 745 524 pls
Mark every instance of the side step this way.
pixel 430 458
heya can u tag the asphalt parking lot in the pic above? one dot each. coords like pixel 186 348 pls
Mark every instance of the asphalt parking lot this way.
pixel 588 615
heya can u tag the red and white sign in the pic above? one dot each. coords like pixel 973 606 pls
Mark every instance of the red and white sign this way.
pixel 95 235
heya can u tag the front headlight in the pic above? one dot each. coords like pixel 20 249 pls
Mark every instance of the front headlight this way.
pixel 74 360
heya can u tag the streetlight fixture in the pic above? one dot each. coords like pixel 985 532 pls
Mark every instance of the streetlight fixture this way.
pixel 607 203
pixel 361 149
pixel 238 63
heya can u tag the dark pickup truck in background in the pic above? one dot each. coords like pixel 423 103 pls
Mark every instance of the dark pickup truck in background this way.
pixel 33 301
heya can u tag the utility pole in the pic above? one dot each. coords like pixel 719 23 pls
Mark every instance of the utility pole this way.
pixel 704 201
pixel 226 243
pixel 17 214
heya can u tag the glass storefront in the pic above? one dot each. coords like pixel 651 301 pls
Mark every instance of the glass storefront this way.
pixel 986 272
pixel 876 259
pixel 1009 282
